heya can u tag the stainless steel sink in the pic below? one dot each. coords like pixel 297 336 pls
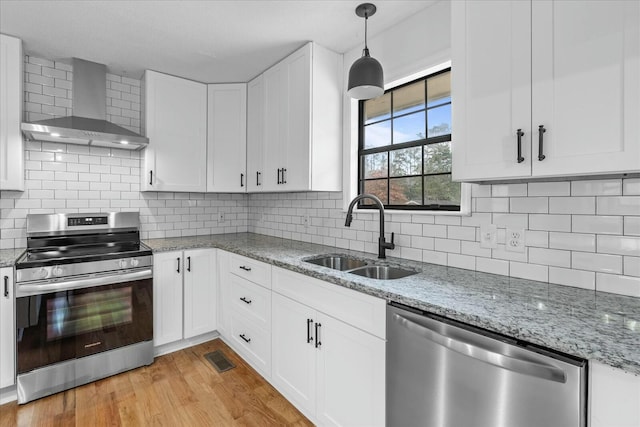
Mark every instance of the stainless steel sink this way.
pixel 337 262
pixel 382 272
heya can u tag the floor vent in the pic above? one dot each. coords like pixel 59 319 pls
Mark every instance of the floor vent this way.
pixel 219 361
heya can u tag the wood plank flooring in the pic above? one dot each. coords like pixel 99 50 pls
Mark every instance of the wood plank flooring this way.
pixel 179 389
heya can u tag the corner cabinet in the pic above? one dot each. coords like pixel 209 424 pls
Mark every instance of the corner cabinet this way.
pixel 295 116
pixel 558 94
pixel 227 138
pixel 328 350
pixel 175 121
pixel 184 294
pixel 11 95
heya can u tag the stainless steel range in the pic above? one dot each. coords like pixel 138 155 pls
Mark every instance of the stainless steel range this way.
pixel 84 301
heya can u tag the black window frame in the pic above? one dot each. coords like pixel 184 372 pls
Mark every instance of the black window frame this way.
pixel 393 147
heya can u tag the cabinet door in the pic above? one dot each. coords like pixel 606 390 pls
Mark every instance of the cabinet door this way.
pixel 490 88
pixel 167 297
pixel 293 369
pixel 351 375
pixel 255 134
pixel 227 138
pixel 614 397
pixel 586 86
pixel 297 140
pixel 275 126
pixel 199 292
pixel 11 146
pixel 176 125
pixel 7 328
pixel 224 293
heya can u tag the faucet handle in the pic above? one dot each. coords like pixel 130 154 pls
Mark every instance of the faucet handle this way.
pixel 392 244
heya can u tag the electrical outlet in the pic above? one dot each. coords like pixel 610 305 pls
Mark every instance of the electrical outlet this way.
pixel 514 240
pixel 220 216
pixel 488 236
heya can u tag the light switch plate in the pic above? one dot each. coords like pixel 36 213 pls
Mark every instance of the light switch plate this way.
pixel 488 236
pixel 514 240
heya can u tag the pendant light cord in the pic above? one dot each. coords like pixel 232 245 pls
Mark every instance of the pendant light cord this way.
pixel 365 51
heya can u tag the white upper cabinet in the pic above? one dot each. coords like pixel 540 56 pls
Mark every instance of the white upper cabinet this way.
pixel 11 145
pixel 227 138
pixel 255 134
pixel 176 124
pixel 564 73
pixel 295 110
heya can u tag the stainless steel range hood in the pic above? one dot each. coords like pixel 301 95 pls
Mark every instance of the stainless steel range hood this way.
pixel 88 125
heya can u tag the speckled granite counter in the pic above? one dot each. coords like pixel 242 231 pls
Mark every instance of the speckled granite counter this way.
pixel 593 325
pixel 8 256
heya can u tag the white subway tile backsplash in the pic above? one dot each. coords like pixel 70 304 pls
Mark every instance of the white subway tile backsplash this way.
pixel 624 285
pixel 596 262
pixel 494 266
pixel 621 245
pixel 632 225
pixel 631 187
pixel 554 257
pixel 529 271
pixel 461 261
pixel 511 220
pixel 631 266
pixel 624 205
pixel 575 278
pixel 608 187
pixel 572 241
pixel 508 190
pixel 572 205
pixel 600 224
pixel 550 222
pixel 549 189
pixel 447 245
pixel 494 204
pixel 461 233
pixel 434 257
pixel 529 205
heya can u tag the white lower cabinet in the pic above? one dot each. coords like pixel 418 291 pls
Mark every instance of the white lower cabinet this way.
pixel 614 397
pixel 184 294
pixel 333 371
pixel 245 308
pixel 7 341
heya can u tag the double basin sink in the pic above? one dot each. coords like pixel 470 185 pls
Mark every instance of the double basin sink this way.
pixel 360 267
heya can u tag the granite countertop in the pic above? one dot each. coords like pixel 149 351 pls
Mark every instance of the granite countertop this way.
pixel 8 257
pixel 593 325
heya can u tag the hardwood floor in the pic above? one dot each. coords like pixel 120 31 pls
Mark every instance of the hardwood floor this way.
pixel 179 389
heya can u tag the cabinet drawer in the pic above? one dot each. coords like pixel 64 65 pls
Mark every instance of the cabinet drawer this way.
pixel 256 271
pixel 357 309
pixel 250 301
pixel 252 342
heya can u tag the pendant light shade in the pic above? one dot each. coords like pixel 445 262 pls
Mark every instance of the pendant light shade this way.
pixel 365 76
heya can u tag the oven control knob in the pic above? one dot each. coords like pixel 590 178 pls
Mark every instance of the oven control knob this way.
pixel 122 263
pixel 134 262
pixel 57 271
pixel 41 273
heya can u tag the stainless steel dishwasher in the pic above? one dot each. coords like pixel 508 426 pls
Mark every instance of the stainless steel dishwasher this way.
pixel 442 373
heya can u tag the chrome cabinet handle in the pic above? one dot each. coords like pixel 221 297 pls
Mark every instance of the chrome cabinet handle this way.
pixel 318 343
pixel 6 286
pixel 534 369
pixel 245 338
pixel 243 299
pixel 541 131
pixel 520 134
pixel 178 259
pixel 242 267
pixel 309 337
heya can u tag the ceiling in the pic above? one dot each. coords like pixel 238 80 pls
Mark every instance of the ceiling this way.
pixel 209 41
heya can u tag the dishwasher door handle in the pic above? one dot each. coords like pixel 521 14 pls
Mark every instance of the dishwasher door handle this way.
pixel 500 360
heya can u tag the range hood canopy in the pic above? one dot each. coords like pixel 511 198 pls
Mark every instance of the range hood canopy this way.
pixel 88 125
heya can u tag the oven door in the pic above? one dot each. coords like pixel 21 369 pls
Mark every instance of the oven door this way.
pixel 66 320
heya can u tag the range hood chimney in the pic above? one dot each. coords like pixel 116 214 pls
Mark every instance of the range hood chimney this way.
pixel 88 124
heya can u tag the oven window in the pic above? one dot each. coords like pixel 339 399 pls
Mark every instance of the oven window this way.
pixel 74 314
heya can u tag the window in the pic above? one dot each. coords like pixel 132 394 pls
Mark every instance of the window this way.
pixel 405 146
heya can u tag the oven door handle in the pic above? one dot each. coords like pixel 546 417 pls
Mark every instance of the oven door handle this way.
pixel 26 290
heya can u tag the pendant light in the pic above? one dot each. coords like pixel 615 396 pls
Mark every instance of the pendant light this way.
pixel 365 75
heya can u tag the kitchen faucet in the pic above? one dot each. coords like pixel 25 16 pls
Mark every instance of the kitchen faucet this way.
pixel 383 245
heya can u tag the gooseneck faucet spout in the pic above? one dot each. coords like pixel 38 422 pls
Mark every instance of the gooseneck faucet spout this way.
pixel 383 245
